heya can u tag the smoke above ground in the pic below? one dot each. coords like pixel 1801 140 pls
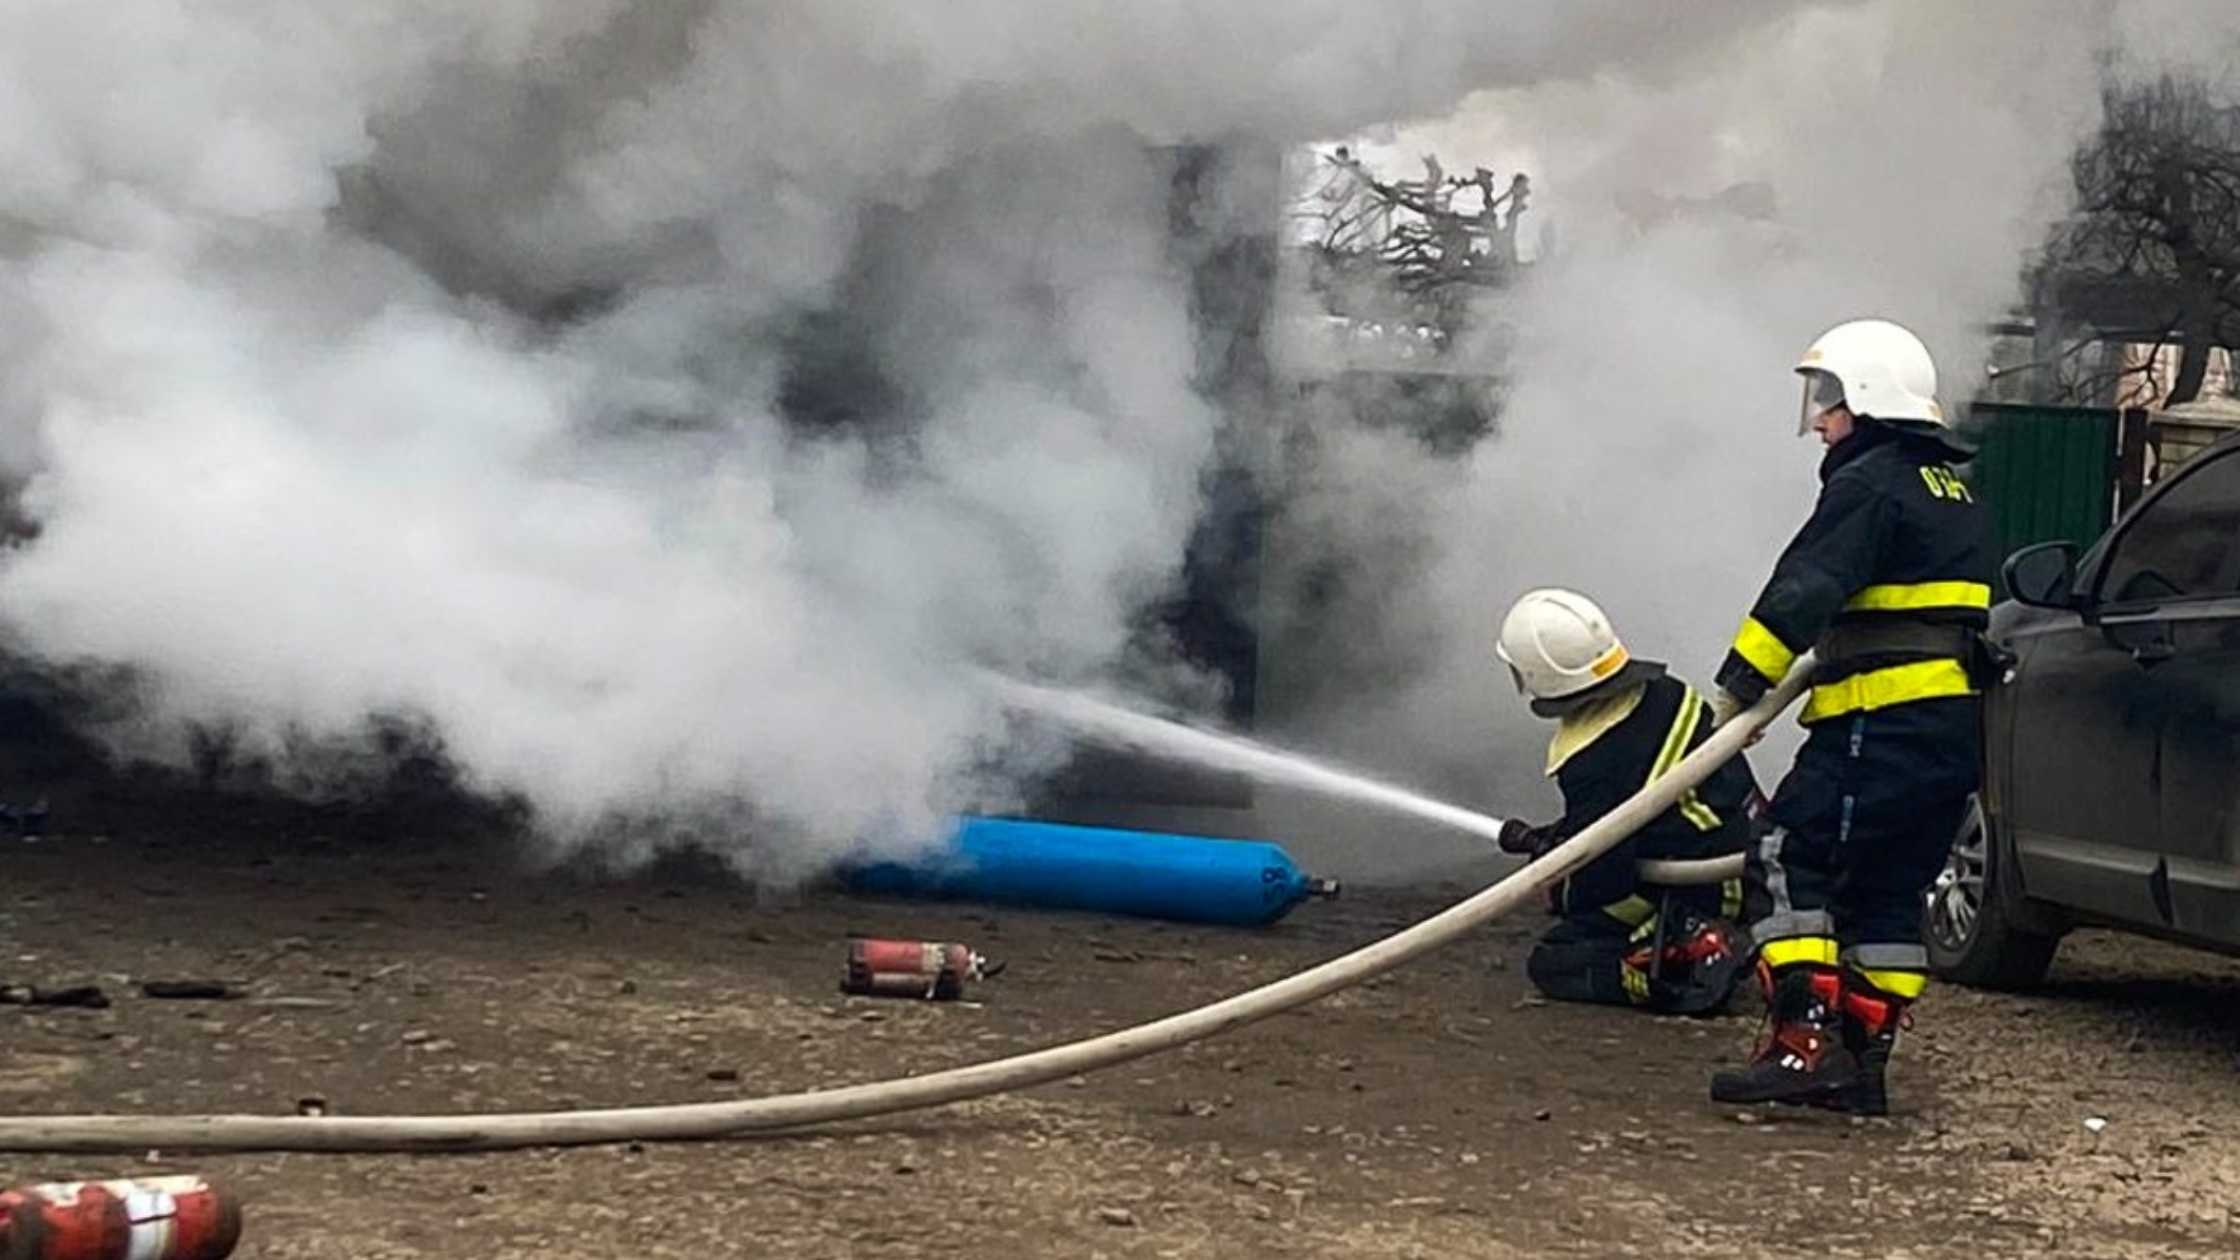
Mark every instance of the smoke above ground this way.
pixel 671 405
pixel 666 405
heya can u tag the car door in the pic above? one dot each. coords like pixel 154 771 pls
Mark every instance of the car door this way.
pixel 2136 812
pixel 2198 691
pixel 2079 793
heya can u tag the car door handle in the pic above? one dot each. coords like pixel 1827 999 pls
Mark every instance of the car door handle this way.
pixel 2153 653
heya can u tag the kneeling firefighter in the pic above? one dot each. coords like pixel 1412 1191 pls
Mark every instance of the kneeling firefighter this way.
pixel 1889 582
pixel 1621 724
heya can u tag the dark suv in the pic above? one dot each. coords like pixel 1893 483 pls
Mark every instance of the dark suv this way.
pixel 2112 751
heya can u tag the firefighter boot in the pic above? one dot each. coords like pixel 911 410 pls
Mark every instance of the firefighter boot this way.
pixel 1696 971
pixel 1871 1020
pixel 1801 1057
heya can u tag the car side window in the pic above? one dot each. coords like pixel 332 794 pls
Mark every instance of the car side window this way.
pixel 2185 544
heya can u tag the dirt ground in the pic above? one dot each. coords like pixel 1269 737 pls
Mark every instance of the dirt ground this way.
pixel 1441 1112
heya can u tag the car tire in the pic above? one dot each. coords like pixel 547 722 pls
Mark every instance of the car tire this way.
pixel 1973 922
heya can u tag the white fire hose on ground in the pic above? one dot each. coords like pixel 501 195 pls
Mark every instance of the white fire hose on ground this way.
pixel 687 1121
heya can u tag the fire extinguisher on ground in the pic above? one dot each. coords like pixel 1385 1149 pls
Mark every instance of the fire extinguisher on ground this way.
pixel 933 970
pixel 150 1218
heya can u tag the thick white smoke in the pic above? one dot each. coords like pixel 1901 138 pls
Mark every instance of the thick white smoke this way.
pixel 425 358
pixel 1894 158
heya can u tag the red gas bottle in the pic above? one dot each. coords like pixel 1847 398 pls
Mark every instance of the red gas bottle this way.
pixel 152 1218
pixel 934 970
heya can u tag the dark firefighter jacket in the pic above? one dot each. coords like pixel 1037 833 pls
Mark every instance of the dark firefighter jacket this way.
pixel 1890 579
pixel 1668 721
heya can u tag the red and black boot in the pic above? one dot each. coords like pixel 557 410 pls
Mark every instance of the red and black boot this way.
pixel 1695 972
pixel 1802 1057
pixel 1871 1020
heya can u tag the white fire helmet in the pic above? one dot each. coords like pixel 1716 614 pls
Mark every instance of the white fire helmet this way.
pixel 1879 370
pixel 1559 646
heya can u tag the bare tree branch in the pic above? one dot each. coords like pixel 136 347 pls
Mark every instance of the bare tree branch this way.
pixel 1428 243
pixel 2157 224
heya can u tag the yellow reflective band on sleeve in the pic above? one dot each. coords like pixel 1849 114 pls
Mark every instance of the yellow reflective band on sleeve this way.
pixel 1799 949
pixel 1730 898
pixel 1702 816
pixel 1910 596
pixel 1881 688
pixel 1633 911
pixel 1763 649
pixel 1902 984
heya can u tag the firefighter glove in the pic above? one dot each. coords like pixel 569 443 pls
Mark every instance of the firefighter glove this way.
pixel 1524 839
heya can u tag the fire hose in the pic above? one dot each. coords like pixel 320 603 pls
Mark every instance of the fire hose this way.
pixel 691 1121
pixel 1685 872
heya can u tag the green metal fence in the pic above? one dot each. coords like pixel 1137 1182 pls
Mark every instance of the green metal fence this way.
pixel 2046 473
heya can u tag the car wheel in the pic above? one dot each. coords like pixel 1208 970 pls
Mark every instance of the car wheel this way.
pixel 1969 923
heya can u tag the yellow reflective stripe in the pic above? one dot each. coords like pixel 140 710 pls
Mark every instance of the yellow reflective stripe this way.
pixel 1676 740
pixel 1881 688
pixel 1633 911
pixel 1609 662
pixel 1763 649
pixel 1636 983
pixel 1902 984
pixel 1730 898
pixel 1903 596
pixel 1676 737
pixel 1799 949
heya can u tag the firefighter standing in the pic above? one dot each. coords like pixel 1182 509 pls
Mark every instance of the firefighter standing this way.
pixel 1889 581
pixel 1621 724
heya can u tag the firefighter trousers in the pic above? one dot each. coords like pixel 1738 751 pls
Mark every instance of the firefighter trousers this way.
pixel 1856 833
pixel 1598 956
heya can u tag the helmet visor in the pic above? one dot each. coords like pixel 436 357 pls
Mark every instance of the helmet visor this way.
pixel 1822 390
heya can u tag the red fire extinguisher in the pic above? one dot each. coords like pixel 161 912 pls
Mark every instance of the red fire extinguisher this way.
pixel 933 970
pixel 153 1218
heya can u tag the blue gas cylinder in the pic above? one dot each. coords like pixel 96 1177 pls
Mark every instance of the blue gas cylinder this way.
pixel 1196 879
